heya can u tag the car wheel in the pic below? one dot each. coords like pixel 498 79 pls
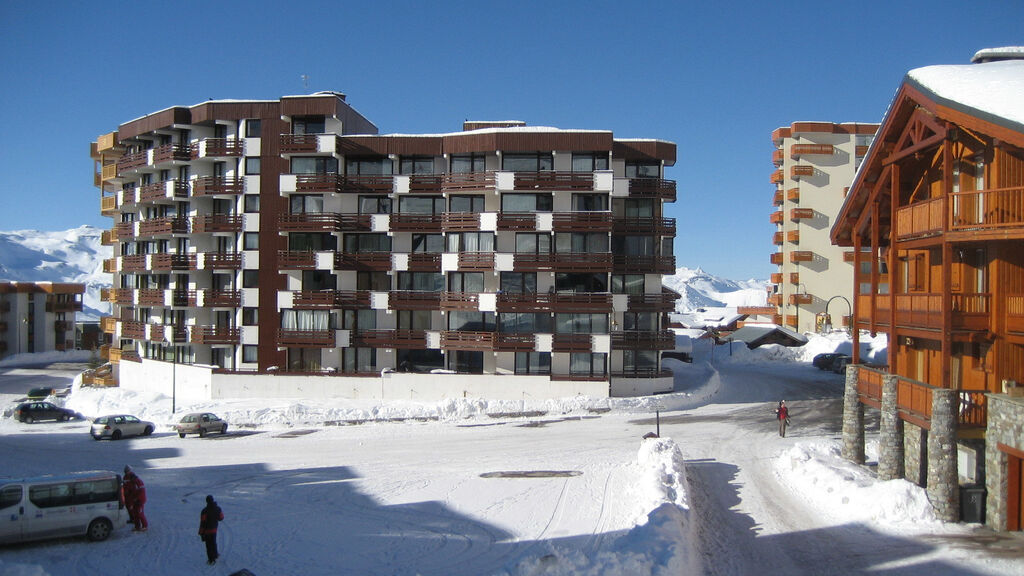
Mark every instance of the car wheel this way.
pixel 116 435
pixel 147 431
pixel 64 418
pixel 28 420
pixel 96 438
pixel 181 434
pixel 202 432
pixel 99 529
pixel 224 429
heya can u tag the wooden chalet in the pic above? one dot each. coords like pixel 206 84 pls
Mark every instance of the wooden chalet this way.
pixel 935 218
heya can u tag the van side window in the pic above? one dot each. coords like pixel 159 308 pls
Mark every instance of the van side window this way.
pixel 95 491
pixel 10 496
pixel 50 495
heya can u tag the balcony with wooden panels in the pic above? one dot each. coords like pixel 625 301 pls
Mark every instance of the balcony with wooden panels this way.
pixel 216 335
pixel 218 186
pixel 794 277
pixel 801 299
pixel 914 400
pixel 372 261
pixel 504 342
pixel 776 278
pixel 801 256
pixel 513 222
pixel 801 171
pixel 152 297
pixel 108 324
pixel 306 338
pixel 652 188
pixel 798 150
pixel 919 219
pixel 476 261
pixel 465 181
pixel 171 154
pixel 425 223
pixel 1015 312
pixel 563 262
pixel 108 237
pixel 461 221
pixel 217 223
pixel 801 214
pixel 407 339
pixel 183 298
pixel 582 302
pixel 108 205
pixel 775 300
pixel 309 222
pixel 330 299
pixel 525 302
pixel 125 296
pixel 861 151
pixel 459 301
pixel 778 156
pixel 296 260
pixel 110 265
pixel 339 184
pixel 778 237
pixel 134 329
pixel 106 295
pixel 793 236
pixel 131 162
pixel 467 340
pixel 657 302
pixel 571 342
pixel 108 172
pixel 776 217
pixel 645 225
pixel 165 190
pixel 919 310
pixel 581 222
pixel 644 340
pixel 173 262
pixel 777 177
pixel 413 300
pixel 222 260
pixel 778 198
pixel 776 258
pixel 996 209
pixel 163 227
pixel 424 262
pixel 124 230
pixel 220 148
pixel 791 321
pixel 222 298
pixel 648 264
pixel 554 181
pixel 793 195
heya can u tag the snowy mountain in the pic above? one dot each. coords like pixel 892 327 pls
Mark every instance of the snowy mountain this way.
pixel 74 255
pixel 702 290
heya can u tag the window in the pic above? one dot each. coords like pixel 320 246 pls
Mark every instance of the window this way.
pixel 533 243
pixel 250 354
pixel 466 281
pixel 306 204
pixel 470 320
pixel 465 163
pixel 526 202
pixel 368 166
pixel 358 319
pixel 527 162
pixel 252 128
pixel 362 243
pixel 250 278
pixel 646 321
pixel 643 169
pixel 250 316
pixel 471 242
pixel 533 363
pixel 428 243
pixel 421 204
pixel 466 362
pixel 305 320
pixel 314 165
pixel 252 165
pixel 416 165
pixel 308 125
pixel 590 202
pixel 632 284
pixel 312 241
pixel 414 319
pixel 581 323
pixel 251 203
pixel 165 175
pixel 633 245
pixel 581 242
pixel 589 161
pixel 251 241
pixel 374 205
pixel 638 208
pixel 10 496
pixel 586 364
pixel 318 280
pixel 518 282
pixel 374 281
pixel 419 360
pixel 473 204
pixel 354 360
pixel 639 361
pixel 524 322
pixel 421 281
pixel 50 496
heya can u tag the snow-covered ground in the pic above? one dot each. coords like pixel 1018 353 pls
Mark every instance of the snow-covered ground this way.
pixel 518 488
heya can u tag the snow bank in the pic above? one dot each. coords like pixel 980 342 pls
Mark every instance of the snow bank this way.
pixel 40 358
pixel 664 542
pixel 841 490
pixel 873 349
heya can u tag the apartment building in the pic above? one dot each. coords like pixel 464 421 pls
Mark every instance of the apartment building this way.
pixel 285 248
pixel 38 316
pixel 940 202
pixel 814 165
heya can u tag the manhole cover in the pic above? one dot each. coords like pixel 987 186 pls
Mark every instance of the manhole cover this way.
pixel 532 474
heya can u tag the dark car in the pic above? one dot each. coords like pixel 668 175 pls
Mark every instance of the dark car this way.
pixel 840 363
pixel 824 360
pixel 117 426
pixel 30 412
pixel 200 423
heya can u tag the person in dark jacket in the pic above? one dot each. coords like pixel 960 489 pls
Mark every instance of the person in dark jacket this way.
pixel 208 520
pixel 782 413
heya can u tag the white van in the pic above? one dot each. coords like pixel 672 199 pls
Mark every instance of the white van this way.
pixel 82 503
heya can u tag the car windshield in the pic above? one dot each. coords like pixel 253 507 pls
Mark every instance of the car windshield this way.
pixel 101 420
pixel 189 418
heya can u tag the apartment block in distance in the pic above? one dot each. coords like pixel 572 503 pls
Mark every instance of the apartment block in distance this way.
pixel 284 248
pixel 814 166
pixel 38 316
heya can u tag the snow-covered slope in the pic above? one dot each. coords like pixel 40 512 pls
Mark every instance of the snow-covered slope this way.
pixel 74 255
pixel 702 290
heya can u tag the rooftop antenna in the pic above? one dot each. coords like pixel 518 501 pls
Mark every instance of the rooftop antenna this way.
pixel 305 82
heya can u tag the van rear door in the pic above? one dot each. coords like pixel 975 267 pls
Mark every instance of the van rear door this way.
pixel 12 513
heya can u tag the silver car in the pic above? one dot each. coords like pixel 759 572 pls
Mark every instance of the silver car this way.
pixel 117 426
pixel 200 423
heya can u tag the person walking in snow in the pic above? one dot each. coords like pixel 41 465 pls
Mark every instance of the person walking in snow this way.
pixel 134 495
pixel 208 520
pixel 782 413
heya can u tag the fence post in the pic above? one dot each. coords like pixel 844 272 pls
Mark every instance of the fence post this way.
pixel 890 432
pixel 943 483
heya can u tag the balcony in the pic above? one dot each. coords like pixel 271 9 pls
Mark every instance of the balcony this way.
pixel 459 301
pixel 108 205
pixel 512 222
pixel 793 236
pixel 921 219
pixel 409 339
pixel 124 230
pixel 656 226
pixel 220 148
pixel 467 340
pixel 129 195
pixel 582 302
pixel 794 277
pixel 110 265
pixel 309 222
pixel 776 278
pixel 306 338
pixel 222 298
pixel 152 297
pixel 777 177
pixel 971 311
pixel 644 340
pixel 801 256
pixel 798 150
pixel 171 153
pixel 413 300
pixel 554 181
pixel 646 264
pixel 775 300
pixel 215 335
pixel 988 209
pixel 873 307
pixel 222 261
pixel 563 262
pixel 183 298
pixel 213 223
pixel 476 261
pixel 861 151
pixel 514 342
pixel 653 188
pixel 776 217
pixel 465 181
pixel 778 156
pixel 337 184
pixel 163 226
pixel 658 302
pixel 801 171
pixel 1015 312
pixel 166 190
pixel 173 262
pixel 427 223
pixel 108 324
pixel 300 143
pixel 776 258
pixel 296 260
pixel 108 237
pixel 792 320
pixel 778 198
pixel 372 261
pixel 919 310
pixel 801 299
pixel 124 296
pixel 424 262
pixel 793 195
pixel 106 295
pixel 581 222
pixel 571 343
pixel 801 214
pixel 330 299
pixel 133 329
pixel 130 162
pixel 461 222
pixel 218 186
pixel 777 238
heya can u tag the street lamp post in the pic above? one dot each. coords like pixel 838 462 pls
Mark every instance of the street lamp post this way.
pixel 849 308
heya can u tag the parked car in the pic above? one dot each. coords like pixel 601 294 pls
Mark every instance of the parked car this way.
pixel 840 363
pixel 201 423
pixel 30 412
pixel 824 360
pixel 117 426
pixel 45 392
pixel 82 503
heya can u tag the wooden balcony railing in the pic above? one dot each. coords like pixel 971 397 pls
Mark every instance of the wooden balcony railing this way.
pixel 467 340
pixel 108 324
pixel 467 181
pixel 476 261
pixel 152 297
pixel 581 222
pixel 914 400
pixel 801 298
pixel 299 143
pixel 582 302
pixel 222 298
pixel 653 188
pixel 794 277
pixel 306 338
pixel 222 261
pixel 869 386
pixel 224 147
pixel 798 150
pixel 564 262
pixel 571 342
pixel 777 258
pixel 801 171
pixel 778 198
pixel 512 221
pixel 410 339
pixel 920 219
pixel 338 184
pixel 801 214
pixel 133 329
pixel 124 230
pixel 776 278
pixel 172 153
pixel 163 226
pixel 413 300
pixel 793 195
pixel 108 237
pixel 777 177
pixel 793 236
pixel 776 217
pixel 801 256
pixel 211 223
pixel 656 226
pixel 328 299
pixel 972 409
pixel 124 296
pixel 663 302
pixel 778 156
pixel 1015 312
pixel 643 340
pixel 163 190
pixel 514 342
pixel 971 311
pixel 401 222
pixel 554 181
pixel 525 302
pixel 132 161
pixel 424 262
pixel 647 264
pixel 778 237
pixel 373 261
pixel 218 186
pixel 173 262
pixel 296 259
pixel 459 301
pixel 998 208
pixel 133 263
pixel 215 335
pixel 461 221
pixel 108 204
pixel 920 310
pixel 309 222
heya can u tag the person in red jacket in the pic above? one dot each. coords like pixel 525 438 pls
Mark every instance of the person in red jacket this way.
pixel 134 492
pixel 208 520
pixel 782 413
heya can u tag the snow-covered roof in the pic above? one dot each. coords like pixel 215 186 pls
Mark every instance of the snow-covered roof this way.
pixel 993 91
pixel 1002 53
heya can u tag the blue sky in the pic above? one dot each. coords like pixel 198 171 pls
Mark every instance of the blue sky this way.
pixel 714 77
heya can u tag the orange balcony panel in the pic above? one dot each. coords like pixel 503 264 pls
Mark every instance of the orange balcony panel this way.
pixel 801 256
pixel 778 156
pixel 798 150
pixel 110 265
pixel 776 278
pixel 108 204
pixel 861 150
pixel 108 172
pixel 777 177
pixel 826 127
pixel 777 319
pixel 793 236
pixel 776 217
pixel 775 300
pixel 777 238
pixel 794 277
pixel 801 214
pixel 108 237
pixel 801 170
pixel 107 143
pixel 791 320
pixel 793 194
pixel 780 133
pixel 777 198
pixel 777 258
pixel 801 298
